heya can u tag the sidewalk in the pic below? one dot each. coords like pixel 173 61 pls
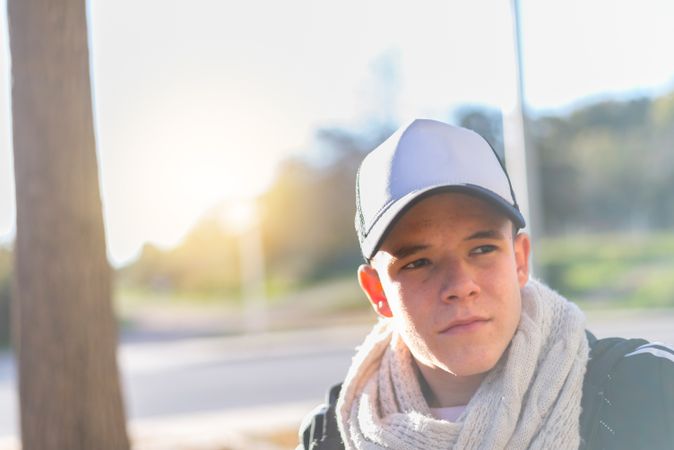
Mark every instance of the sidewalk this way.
pixel 263 428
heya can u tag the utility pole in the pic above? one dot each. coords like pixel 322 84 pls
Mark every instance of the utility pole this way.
pixel 520 158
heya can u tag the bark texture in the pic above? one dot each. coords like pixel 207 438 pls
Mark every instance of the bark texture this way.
pixel 64 329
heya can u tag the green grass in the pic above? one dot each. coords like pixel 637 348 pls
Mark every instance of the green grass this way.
pixel 611 270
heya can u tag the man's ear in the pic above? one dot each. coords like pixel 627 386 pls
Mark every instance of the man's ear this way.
pixel 522 245
pixel 371 285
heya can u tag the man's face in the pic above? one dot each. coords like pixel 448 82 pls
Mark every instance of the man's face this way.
pixel 449 274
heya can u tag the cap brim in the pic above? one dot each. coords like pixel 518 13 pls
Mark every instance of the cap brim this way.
pixel 384 223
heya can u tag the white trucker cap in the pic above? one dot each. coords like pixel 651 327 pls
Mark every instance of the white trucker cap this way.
pixel 421 158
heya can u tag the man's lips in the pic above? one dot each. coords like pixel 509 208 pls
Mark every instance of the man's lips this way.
pixel 467 324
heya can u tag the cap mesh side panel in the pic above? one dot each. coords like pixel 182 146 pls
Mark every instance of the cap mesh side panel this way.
pixel 359 209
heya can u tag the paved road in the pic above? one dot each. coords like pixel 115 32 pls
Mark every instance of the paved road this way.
pixel 220 374
pixel 173 378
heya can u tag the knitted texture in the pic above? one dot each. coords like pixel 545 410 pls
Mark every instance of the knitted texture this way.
pixel 530 399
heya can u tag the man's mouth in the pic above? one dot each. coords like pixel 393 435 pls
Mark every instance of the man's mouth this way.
pixel 465 325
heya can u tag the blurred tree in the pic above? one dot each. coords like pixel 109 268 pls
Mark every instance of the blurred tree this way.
pixel 205 264
pixel 309 211
pixel 608 166
pixel 662 163
pixel 486 122
pixel 64 330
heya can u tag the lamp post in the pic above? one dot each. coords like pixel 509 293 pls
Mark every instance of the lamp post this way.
pixel 242 218
pixel 520 159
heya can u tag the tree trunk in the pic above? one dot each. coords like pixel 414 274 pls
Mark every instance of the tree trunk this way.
pixel 64 329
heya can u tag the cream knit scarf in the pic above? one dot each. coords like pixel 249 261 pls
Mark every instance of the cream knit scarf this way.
pixel 530 399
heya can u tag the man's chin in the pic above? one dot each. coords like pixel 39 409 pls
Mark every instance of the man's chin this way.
pixel 466 367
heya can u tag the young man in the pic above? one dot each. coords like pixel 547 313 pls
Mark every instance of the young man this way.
pixel 469 351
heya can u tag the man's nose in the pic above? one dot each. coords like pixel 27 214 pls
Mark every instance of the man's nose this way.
pixel 458 282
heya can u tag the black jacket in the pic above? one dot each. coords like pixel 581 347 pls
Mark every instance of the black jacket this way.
pixel 627 404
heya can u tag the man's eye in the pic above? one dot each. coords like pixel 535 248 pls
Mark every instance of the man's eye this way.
pixel 483 249
pixel 416 264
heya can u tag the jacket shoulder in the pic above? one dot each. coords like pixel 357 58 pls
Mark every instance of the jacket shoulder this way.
pixel 633 401
pixel 319 430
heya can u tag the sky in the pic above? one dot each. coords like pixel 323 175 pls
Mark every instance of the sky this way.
pixel 198 101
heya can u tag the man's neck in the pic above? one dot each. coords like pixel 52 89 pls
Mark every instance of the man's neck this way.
pixel 443 389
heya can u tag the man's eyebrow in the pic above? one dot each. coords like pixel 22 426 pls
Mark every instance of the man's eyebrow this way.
pixel 484 234
pixel 407 250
